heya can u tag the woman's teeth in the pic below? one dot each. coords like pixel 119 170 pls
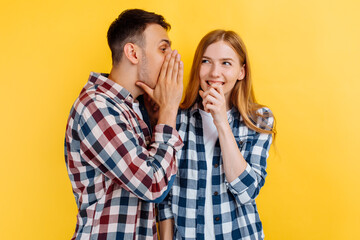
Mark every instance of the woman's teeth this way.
pixel 212 83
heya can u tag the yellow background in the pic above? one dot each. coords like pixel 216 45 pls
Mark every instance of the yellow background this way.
pixel 305 62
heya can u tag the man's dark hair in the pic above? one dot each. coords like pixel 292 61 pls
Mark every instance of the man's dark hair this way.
pixel 129 27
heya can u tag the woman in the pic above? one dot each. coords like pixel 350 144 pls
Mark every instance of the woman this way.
pixel 227 136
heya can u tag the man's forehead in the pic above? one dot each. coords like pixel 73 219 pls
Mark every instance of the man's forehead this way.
pixel 156 33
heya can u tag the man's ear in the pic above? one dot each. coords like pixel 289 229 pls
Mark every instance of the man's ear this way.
pixel 131 52
pixel 242 73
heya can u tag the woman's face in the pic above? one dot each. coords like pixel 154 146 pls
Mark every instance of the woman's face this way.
pixel 220 65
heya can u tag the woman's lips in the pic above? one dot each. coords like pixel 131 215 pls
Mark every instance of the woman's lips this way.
pixel 209 82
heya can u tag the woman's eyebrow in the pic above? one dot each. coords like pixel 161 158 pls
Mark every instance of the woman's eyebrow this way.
pixel 222 59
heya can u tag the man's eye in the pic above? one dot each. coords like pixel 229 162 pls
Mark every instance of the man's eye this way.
pixel 163 49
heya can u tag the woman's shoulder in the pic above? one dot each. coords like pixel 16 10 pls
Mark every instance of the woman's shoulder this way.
pixel 182 116
pixel 264 118
pixel 182 113
pixel 265 111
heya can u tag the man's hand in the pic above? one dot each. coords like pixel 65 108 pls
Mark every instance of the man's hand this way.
pixel 152 109
pixel 168 90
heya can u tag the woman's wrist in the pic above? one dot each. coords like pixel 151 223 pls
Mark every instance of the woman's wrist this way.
pixel 223 127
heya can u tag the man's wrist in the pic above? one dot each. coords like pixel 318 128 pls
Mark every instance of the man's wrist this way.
pixel 167 116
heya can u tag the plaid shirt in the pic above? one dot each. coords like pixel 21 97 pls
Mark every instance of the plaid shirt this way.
pixel 234 208
pixel 117 171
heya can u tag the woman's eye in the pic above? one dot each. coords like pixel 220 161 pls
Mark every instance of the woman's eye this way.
pixel 204 61
pixel 227 63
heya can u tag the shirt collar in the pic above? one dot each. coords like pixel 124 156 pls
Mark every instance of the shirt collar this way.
pixel 111 88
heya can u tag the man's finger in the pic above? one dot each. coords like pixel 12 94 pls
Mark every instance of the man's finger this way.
pixel 170 68
pixel 180 73
pixel 164 67
pixel 149 91
pixel 176 67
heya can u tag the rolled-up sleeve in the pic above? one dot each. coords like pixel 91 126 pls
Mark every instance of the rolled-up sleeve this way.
pixel 164 209
pixel 247 186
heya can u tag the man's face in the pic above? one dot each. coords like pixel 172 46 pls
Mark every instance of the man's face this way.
pixel 157 45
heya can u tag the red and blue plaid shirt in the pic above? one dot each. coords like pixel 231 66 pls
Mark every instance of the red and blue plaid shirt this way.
pixel 116 170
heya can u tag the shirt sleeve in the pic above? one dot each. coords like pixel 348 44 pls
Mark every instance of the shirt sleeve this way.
pixel 109 143
pixel 164 209
pixel 247 186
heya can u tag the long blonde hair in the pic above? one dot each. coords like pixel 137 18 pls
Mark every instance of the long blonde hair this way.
pixel 242 95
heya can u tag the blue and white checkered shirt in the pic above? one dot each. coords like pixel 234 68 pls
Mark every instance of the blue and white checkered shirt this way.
pixel 235 214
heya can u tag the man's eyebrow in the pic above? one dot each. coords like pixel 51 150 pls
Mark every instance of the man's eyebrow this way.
pixel 167 41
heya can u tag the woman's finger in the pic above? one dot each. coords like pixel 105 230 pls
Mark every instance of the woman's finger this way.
pixel 211 100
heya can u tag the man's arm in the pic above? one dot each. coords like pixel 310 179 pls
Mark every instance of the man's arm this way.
pixel 109 144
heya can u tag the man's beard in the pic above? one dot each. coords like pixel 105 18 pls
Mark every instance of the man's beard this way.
pixel 144 73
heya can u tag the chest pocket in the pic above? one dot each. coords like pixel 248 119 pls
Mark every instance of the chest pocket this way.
pixel 244 144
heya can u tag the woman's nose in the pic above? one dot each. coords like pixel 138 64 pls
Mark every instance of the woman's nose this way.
pixel 215 71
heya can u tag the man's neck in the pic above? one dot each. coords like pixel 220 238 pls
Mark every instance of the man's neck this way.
pixel 126 76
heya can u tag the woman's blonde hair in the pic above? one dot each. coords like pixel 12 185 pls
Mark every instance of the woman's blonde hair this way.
pixel 242 95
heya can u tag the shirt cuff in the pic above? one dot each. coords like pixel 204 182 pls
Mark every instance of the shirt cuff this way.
pixel 243 182
pixel 165 214
pixel 165 134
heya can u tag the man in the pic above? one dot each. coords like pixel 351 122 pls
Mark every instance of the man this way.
pixel 117 171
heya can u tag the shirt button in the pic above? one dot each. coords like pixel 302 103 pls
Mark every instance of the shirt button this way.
pixel 216 193
pixel 216 165
pixel 217 219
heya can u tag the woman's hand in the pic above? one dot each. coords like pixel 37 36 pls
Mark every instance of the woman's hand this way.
pixel 214 102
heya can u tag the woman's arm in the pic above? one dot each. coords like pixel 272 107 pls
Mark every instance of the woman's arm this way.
pixel 166 229
pixel 214 102
pixel 244 179
pixel 233 161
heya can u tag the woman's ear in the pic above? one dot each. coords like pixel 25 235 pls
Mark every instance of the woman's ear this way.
pixel 242 73
pixel 131 52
